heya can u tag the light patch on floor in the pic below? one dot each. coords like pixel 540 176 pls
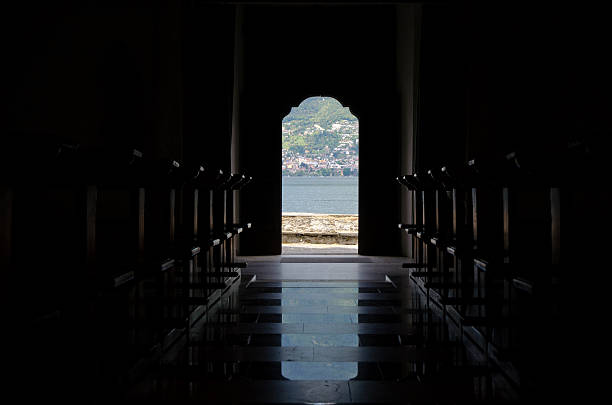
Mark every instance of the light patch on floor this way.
pixel 318 249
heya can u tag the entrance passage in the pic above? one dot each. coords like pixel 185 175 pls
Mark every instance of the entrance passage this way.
pixel 320 183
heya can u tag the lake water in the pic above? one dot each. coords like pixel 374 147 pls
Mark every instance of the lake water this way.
pixel 321 195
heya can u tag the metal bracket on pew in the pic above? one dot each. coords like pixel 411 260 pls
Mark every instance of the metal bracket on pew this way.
pixel 523 285
pixel 123 279
pixel 167 264
pixel 469 301
pixel 425 274
pixel 442 285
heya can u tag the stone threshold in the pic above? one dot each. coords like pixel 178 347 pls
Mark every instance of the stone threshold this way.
pixel 298 227
pixel 320 238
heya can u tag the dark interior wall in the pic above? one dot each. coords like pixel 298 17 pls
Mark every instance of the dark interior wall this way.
pixel 291 53
pixel 408 19
pixel 534 76
pixel 538 81
pixel 208 66
pixel 95 73
pixel 511 82
pixel 441 129
pixel 494 78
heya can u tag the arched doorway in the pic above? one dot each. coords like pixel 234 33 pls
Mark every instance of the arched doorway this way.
pixel 320 187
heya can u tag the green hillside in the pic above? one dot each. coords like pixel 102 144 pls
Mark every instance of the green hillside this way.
pixel 323 111
pixel 309 127
pixel 320 137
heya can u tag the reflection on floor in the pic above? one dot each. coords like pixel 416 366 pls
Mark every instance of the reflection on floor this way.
pixel 307 295
pixel 321 333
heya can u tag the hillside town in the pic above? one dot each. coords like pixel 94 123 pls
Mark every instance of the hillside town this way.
pixel 335 152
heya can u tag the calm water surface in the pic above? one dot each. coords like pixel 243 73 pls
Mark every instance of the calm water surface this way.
pixel 321 195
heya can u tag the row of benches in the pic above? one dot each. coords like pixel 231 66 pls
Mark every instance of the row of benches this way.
pixel 487 249
pixel 126 250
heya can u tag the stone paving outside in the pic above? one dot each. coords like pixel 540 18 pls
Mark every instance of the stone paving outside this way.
pixel 326 229
pixel 305 233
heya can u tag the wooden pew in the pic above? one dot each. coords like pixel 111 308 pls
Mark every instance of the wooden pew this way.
pixel 234 224
pixel 410 182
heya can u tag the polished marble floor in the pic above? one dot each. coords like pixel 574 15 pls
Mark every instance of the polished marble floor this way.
pixel 321 331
